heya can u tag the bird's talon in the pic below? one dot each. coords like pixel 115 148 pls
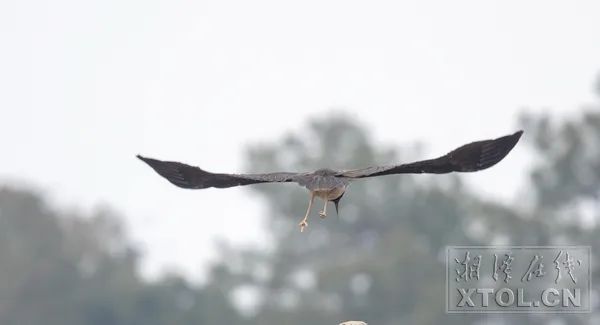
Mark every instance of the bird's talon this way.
pixel 303 224
pixel 322 214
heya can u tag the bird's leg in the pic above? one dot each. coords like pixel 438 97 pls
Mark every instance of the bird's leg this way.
pixel 323 213
pixel 303 223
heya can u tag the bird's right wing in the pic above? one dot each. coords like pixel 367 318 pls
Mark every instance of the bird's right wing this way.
pixel 191 177
pixel 468 158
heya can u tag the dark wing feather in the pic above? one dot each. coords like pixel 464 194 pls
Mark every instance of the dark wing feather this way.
pixel 187 176
pixel 468 158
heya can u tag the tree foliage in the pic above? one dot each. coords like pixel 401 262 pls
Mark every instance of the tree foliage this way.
pixel 73 269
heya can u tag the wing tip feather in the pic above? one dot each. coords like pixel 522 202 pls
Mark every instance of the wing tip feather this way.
pixel 512 140
pixel 501 148
pixel 142 158
pixel 154 163
pixel 517 135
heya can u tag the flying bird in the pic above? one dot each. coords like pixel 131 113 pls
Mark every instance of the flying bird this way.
pixel 330 185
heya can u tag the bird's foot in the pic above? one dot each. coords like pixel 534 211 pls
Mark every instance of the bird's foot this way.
pixel 322 214
pixel 303 224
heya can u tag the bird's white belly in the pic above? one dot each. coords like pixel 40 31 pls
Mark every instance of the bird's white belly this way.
pixel 330 194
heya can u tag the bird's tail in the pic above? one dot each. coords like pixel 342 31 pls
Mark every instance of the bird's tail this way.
pixel 336 202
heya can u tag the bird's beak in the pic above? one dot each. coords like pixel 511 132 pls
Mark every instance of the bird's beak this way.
pixel 336 202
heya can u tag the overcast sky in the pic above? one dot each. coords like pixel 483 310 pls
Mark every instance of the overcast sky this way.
pixel 86 85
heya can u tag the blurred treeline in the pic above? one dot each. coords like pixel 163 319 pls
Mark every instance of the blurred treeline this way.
pixel 381 261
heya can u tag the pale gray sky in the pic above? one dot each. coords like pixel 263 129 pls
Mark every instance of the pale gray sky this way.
pixel 86 85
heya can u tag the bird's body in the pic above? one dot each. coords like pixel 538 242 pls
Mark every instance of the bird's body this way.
pixel 330 194
pixel 330 185
pixel 324 183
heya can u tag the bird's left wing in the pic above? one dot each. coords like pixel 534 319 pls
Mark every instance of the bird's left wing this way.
pixel 191 177
pixel 468 158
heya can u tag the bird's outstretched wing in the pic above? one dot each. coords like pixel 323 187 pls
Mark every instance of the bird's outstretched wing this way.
pixel 468 158
pixel 191 177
